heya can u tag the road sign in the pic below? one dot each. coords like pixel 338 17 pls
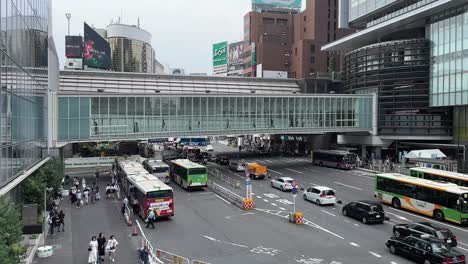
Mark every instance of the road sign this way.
pixel 294 190
pixel 248 189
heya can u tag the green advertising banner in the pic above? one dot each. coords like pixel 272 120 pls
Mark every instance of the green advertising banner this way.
pixel 220 54
pixel 295 4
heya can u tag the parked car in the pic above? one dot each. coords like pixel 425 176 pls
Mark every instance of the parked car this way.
pixel 256 171
pixel 425 250
pixel 207 156
pixel 425 228
pixel 366 211
pixel 222 160
pixel 209 148
pixel 237 165
pixel 320 195
pixel 283 183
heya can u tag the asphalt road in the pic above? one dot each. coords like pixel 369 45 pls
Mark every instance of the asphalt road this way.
pixel 208 228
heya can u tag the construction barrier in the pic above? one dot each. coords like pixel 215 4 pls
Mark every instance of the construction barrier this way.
pixel 199 262
pixel 299 218
pixel 248 204
pixel 167 257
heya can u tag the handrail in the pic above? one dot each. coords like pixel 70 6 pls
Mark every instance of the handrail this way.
pixel 227 194
pixel 219 175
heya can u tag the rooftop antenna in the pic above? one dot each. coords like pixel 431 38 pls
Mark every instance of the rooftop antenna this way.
pixel 138 22
pixel 68 16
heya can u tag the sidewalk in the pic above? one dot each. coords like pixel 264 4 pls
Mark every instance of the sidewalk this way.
pixel 104 216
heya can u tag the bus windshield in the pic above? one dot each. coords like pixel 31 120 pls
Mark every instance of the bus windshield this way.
pixel 349 158
pixel 159 194
pixel 197 171
pixel 160 169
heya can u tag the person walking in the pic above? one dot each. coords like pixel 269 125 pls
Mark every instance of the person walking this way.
pixel 144 255
pixel 93 194
pixel 98 194
pixel 136 207
pixel 78 199
pixel 108 190
pixel 83 183
pixel 61 221
pixel 111 247
pixel 93 251
pixel 101 247
pixel 150 219
pixel 52 220
pixel 86 195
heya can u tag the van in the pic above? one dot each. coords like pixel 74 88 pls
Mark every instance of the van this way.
pixel 256 171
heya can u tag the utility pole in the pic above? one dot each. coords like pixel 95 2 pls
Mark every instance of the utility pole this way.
pixel 68 16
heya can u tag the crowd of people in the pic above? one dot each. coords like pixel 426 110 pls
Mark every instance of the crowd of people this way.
pixel 83 194
pixel 98 246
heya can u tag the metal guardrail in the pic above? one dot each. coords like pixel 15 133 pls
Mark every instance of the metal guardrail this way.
pixel 227 194
pixel 220 176
pixel 146 243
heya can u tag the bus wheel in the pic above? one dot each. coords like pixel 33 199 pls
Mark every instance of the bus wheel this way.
pixel 438 215
pixel 338 166
pixel 321 164
pixel 396 203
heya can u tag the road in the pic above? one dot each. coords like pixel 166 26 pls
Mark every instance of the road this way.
pixel 206 227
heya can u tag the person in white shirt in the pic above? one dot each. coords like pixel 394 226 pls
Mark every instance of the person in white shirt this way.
pixel 108 190
pixel 111 247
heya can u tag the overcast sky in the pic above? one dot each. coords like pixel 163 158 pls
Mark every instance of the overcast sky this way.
pixel 183 30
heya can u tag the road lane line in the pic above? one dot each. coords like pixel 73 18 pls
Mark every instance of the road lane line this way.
pixel 462 248
pixel 393 262
pixel 356 224
pixel 462 243
pixel 354 244
pixel 275 171
pixel 349 186
pixel 269 161
pixel 259 197
pixel 224 242
pixel 399 217
pixel 282 209
pixel 226 201
pixel 295 171
pixel 273 204
pixel 248 214
pixel 327 212
pixel 266 201
pixel 375 254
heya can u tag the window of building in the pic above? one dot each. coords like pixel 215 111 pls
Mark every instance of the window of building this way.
pixel 268 21
pixel 328 37
pixel 305 18
pixel 312 59
pixel 334 36
pixel 282 22
pixel 312 48
pixel 295 51
pixel 305 29
pixel 328 25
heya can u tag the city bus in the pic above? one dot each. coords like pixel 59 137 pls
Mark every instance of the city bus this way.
pixel 194 141
pixel 157 168
pixel 187 174
pixel 440 175
pixel 151 193
pixel 441 200
pixel 339 159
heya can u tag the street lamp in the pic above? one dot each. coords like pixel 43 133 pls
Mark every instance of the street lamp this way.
pixel 45 213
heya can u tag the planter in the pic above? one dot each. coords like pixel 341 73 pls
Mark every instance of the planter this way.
pixel 45 252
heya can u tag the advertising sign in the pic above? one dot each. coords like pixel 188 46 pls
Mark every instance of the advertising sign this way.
pixel 294 4
pixel 275 74
pixel 235 53
pixel 96 50
pixel 73 47
pixel 220 53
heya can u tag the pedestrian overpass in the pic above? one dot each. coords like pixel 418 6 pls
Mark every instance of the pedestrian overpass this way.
pixel 103 116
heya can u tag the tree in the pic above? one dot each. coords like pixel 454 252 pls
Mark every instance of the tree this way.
pixel 332 65
pixel 11 251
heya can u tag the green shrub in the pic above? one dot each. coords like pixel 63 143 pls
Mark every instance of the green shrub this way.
pixel 10 233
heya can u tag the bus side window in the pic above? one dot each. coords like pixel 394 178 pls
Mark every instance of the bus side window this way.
pixel 414 173
pixel 452 201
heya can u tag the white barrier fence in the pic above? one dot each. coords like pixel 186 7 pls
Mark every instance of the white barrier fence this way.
pixel 89 162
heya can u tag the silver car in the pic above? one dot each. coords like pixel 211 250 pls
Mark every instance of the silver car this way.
pixel 237 165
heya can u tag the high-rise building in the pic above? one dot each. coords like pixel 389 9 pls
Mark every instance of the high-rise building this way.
pixel 131 48
pixel 414 55
pixel 24 59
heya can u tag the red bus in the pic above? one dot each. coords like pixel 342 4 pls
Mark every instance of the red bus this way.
pixel 151 193
pixel 339 159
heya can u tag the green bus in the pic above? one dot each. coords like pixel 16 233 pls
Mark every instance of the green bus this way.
pixel 440 175
pixel 441 200
pixel 189 175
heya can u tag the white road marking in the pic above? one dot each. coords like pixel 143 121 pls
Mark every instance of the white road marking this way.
pixel 228 243
pixel 269 161
pixel 393 262
pixel 282 209
pixel 264 250
pixel 294 171
pixel 399 217
pixel 226 201
pixel 259 197
pixel 349 186
pixel 266 201
pixel 462 243
pixel 328 213
pixel 375 254
pixel 276 171
pixel 462 248
pixel 248 214
pixel 356 224
pixel 314 184
pixel 354 244
pixel 271 195
pixel 253 193
pixel 284 201
pixel 273 204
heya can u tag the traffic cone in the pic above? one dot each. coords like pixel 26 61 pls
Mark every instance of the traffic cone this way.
pixel 129 223
pixel 135 231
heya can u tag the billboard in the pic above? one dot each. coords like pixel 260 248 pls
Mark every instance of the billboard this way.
pixel 220 54
pixel 293 4
pixel 73 47
pixel 235 53
pixel 96 52
pixel 275 74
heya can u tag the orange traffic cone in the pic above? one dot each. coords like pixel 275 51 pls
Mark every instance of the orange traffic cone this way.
pixel 129 223
pixel 135 231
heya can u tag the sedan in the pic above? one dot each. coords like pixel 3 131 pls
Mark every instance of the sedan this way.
pixel 283 183
pixel 209 148
pixel 320 195
pixel 425 228
pixel 366 211
pixel 425 250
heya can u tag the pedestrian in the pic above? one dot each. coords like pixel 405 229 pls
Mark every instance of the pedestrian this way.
pixel 86 195
pixel 78 199
pixel 108 190
pixel 112 191
pixel 73 195
pixel 76 183
pixel 111 247
pixel 93 250
pixel 136 207
pixel 144 255
pixel 117 191
pixel 61 221
pixel 98 194
pixel 150 219
pixel 83 183
pixel 52 220
pixel 93 194
pixel 101 247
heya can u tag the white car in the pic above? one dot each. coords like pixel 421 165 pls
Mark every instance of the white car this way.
pixel 209 148
pixel 283 183
pixel 320 195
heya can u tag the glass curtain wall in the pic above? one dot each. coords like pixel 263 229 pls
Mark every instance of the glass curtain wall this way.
pixel 449 79
pixel 23 56
pixel 107 117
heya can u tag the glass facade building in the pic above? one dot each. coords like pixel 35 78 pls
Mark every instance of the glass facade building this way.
pixel 23 62
pixel 448 33
pixel 114 117
pixel 359 8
